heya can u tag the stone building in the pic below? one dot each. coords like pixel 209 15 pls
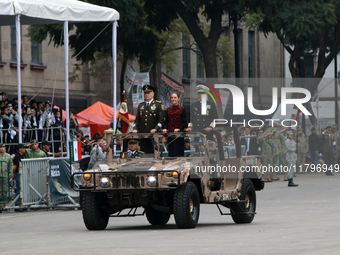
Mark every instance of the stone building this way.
pixel 43 70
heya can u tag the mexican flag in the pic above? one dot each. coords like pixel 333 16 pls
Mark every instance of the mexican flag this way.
pixel 75 148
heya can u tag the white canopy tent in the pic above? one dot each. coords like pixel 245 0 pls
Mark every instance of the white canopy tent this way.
pixel 28 12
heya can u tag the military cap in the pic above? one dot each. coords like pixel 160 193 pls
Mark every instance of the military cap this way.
pixel 148 88
pixel 290 132
pixel 2 145
pixel 202 89
pixel 313 128
pixel 335 126
pixel 34 141
pixel 186 140
pixel 274 129
pixel 230 133
pixel 133 141
pixel 300 129
pixel 21 146
pixel 46 143
pixel 267 132
pixel 328 127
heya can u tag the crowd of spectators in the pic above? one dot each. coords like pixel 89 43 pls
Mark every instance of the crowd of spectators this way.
pixel 39 120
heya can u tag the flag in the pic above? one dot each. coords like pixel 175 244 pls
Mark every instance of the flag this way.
pixel 124 115
pixel 75 148
pixel 256 161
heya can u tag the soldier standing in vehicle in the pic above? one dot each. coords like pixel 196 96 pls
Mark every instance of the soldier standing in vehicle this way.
pixel 149 118
pixel 328 148
pixel 5 171
pixel 302 149
pixel 267 148
pixel 291 157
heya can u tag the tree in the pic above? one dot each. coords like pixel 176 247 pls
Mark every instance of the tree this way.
pixel 161 13
pixel 309 25
pixel 134 40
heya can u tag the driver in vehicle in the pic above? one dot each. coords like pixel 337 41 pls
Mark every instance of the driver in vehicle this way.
pixel 132 151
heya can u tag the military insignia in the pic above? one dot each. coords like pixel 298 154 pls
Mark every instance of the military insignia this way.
pixel 153 107
pixel 142 107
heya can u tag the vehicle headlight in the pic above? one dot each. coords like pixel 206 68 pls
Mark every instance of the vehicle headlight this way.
pixel 104 182
pixel 151 181
pixel 87 177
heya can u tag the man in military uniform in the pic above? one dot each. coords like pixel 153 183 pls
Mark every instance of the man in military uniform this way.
pixel 34 152
pixel 283 151
pixel 291 157
pixel 328 148
pixel 5 171
pixel 277 148
pixel 199 122
pixel 149 118
pixel 335 133
pixel 302 150
pixel 267 148
pixel 132 151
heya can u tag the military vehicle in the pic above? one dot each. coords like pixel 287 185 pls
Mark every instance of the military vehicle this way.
pixel 159 186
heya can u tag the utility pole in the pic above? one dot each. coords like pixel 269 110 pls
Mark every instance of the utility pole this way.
pixel 234 18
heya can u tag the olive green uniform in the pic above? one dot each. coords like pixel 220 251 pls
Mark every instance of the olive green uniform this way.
pixel 337 146
pixel 148 118
pixel 302 150
pixel 283 153
pixel 29 153
pixel 267 154
pixel 5 171
pixel 277 148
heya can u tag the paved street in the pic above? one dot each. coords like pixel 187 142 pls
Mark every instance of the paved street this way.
pixel 302 220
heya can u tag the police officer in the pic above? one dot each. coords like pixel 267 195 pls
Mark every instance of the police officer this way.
pixel 199 122
pixel 6 170
pixel 149 118
pixel 267 148
pixel 328 148
pixel 291 157
pixel 132 151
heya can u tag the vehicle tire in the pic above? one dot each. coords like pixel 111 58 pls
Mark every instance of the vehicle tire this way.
pixel 155 217
pixel 94 215
pixel 248 194
pixel 186 205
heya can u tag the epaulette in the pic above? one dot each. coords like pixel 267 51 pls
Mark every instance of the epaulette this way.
pixel 158 101
pixel 141 152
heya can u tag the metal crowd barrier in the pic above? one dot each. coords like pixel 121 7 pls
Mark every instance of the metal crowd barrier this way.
pixel 34 182
pixel 47 135
pixel 35 186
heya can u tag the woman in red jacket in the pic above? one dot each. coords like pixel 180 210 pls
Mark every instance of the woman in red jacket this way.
pixel 175 121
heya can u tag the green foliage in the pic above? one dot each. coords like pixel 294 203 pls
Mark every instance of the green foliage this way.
pixel 225 54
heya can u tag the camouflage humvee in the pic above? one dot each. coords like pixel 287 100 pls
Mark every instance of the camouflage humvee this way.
pixel 162 186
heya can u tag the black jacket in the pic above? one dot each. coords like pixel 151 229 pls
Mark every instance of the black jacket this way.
pixel 314 142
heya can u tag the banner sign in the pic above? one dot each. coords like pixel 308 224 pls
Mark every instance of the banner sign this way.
pixel 141 79
pixel 129 78
pixel 169 86
pixel 224 95
pixel 60 180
